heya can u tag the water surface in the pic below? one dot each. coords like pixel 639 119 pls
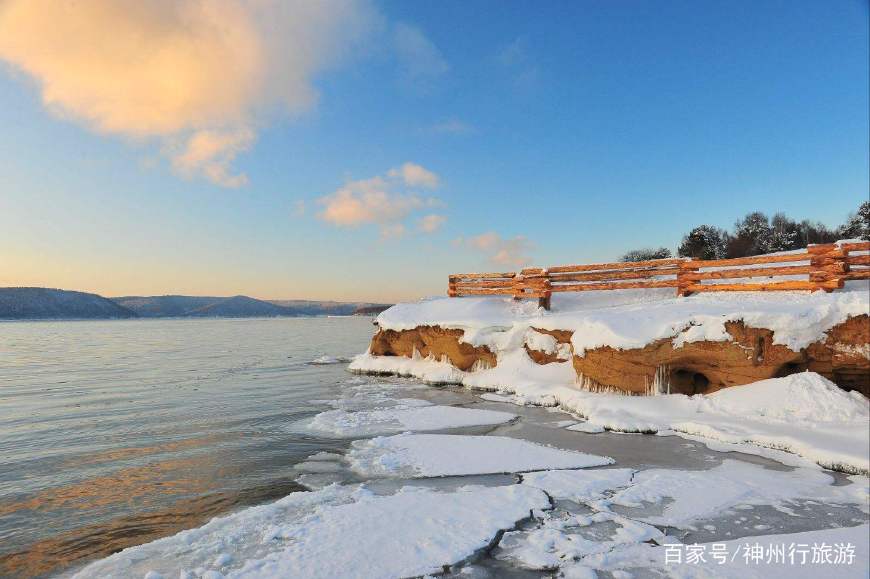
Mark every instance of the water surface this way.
pixel 113 433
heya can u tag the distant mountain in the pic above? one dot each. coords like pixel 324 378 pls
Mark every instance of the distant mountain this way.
pixel 30 303
pixel 327 308
pixel 165 306
pixel 237 306
pixel 371 310
pixel 42 303
pixel 242 307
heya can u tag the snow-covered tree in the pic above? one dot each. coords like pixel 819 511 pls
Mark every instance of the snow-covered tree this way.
pixel 752 236
pixel 785 234
pixel 704 242
pixel 646 254
pixel 858 224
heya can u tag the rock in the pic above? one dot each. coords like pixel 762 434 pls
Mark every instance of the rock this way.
pixel 695 367
pixel 432 341
pixel 750 356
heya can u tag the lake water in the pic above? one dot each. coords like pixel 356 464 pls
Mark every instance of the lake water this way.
pixel 115 433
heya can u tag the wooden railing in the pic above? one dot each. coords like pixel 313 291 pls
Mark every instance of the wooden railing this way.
pixel 826 266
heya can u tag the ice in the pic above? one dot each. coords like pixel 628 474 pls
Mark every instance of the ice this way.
pixel 334 532
pixel 737 565
pixel 418 415
pixel 428 370
pixel 565 537
pixel 430 455
pixel 579 485
pixel 804 414
pixel 587 428
pixel 326 360
pixel 691 496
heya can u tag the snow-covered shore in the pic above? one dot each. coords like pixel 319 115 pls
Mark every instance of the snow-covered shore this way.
pixel 413 502
pixel 804 414
pixel 632 318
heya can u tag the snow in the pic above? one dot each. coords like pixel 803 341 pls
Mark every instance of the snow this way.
pixel 428 370
pixel 633 318
pixel 579 485
pixel 334 532
pixel 803 414
pixel 554 543
pixel 407 415
pixel 736 565
pixel 696 495
pixel 431 455
pixel 805 397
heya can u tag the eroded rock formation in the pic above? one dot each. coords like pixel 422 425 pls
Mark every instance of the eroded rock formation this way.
pixel 432 341
pixel 695 367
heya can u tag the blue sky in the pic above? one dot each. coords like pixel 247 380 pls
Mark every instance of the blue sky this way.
pixel 586 128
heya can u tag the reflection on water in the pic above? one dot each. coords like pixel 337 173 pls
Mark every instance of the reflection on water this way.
pixel 113 433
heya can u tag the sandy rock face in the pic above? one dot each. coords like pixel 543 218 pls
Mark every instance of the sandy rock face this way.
pixel 695 367
pixel 750 355
pixel 431 341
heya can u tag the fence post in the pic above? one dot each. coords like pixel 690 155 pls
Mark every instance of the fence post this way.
pixel 829 264
pixel 519 287
pixel 686 267
pixel 546 296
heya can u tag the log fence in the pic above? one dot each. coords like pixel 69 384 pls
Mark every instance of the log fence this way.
pixel 825 267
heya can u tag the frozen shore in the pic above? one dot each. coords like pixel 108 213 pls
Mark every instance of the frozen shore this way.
pixel 543 358
pixel 492 488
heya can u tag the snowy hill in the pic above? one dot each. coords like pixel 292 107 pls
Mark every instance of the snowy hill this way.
pixel 27 303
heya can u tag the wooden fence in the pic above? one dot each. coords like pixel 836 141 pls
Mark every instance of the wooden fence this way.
pixel 826 267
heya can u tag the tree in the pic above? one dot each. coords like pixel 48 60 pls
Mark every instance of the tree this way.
pixel 704 242
pixel 646 254
pixel 785 234
pixel 858 224
pixel 752 236
pixel 816 233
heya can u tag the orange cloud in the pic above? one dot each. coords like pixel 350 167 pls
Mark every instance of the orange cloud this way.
pixel 381 200
pixel 508 252
pixel 198 73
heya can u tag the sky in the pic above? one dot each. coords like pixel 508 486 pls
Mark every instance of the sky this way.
pixel 364 149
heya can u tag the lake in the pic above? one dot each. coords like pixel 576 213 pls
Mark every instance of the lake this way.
pixel 113 433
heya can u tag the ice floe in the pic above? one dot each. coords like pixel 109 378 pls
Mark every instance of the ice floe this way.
pixel 431 455
pixel 842 553
pixel 690 496
pixel 803 414
pixel 579 485
pixel 334 532
pixel 408 415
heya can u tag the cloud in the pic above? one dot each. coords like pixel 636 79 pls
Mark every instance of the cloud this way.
pixel 198 76
pixel 210 153
pixel 506 252
pixel 420 59
pixel 382 200
pixel 431 223
pixel 415 176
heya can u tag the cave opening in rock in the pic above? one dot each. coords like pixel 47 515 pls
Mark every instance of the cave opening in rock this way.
pixel 789 369
pixel 688 381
